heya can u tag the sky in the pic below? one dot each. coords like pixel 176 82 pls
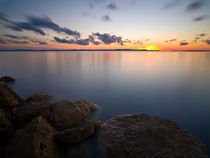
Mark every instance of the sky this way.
pixel 105 24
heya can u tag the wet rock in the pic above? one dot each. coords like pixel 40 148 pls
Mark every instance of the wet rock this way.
pixel 7 79
pixel 9 99
pixel 64 115
pixel 131 136
pixel 39 98
pixel 77 135
pixel 35 140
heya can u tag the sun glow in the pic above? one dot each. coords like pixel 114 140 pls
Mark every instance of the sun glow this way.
pixel 151 47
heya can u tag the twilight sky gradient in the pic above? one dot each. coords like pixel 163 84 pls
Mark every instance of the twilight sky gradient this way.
pixel 105 24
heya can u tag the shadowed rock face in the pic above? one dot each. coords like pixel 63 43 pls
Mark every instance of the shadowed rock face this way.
pixel 64 115
pixel 35 140
pixel 136 136
pixel 77 135
pixel 9 100
pixel 7 79
pixel 32 108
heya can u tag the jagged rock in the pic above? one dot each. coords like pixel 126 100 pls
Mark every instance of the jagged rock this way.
pixel 64 115
pixel 77 135
pixel 9 99
pixel 132 136
pixel 7 79
pixel 35 140
pixel 39 98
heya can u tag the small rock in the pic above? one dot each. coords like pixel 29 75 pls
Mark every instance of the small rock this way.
pixel 35 140
pixel 64 115
pixel 39 98
pixel 7 79
pixel 77 135
pixel 132 136
pixel 9 99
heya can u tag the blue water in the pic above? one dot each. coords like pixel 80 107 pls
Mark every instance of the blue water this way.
pixel 173 85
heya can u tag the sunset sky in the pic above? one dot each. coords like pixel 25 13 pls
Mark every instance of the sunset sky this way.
pixel 105 24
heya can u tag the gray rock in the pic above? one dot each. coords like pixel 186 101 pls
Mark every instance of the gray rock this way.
pixel 77 135
pixel 9 99
pixel 132 136
pixel 64 115
pixel 6 127
pixel 35 140
pixel 7 79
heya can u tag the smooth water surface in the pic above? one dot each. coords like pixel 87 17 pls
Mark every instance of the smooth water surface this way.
pixel 173 85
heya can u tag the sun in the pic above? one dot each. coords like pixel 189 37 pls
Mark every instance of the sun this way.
pixel 151 47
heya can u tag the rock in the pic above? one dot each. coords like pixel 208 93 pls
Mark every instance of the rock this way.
pixel 35 140
pixel 77 135
pixel 64 115
pixel 9 100
pixel 7 79
pixel 39 98
pixel 132 136
pixel 6 128
pixel 29 111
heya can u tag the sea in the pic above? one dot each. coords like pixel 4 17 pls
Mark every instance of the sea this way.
pixel 172 85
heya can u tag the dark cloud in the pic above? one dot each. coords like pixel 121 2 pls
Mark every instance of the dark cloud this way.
pixel 92 39
pixel 105 18
pixel 108 39
pixel 170 41
pixel 112 6
pixel 72 41
pixel 18 42
pixel 184 43
pixel 194 6
pixel 92 3
pixel 173 4
pixel 208 41
pixel 39 42
pixel 36 24
pixel 3 18
pixel 15 37
pixel 2 41
pixel 199 18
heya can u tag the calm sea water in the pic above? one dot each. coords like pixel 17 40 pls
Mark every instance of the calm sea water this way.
pixel 173 85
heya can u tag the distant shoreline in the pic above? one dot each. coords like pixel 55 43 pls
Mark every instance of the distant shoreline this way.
pixel 131 50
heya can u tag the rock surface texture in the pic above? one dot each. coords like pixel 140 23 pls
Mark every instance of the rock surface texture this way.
pixel 77 135
pixel 64 115
pixel 35 140
pixel 7 79
pixel 9 99
pixel 144 136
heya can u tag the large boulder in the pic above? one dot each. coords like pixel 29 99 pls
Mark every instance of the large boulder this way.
pixel 64 115
pixel 6 128
pixel 77 135
pixel 132 136
pixel 7 79
pixel 35 140
pixel 32 108
pixel 9 99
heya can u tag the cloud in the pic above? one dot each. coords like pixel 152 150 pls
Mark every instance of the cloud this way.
pixel 15 37
pixel 3 18
pixel 18 42
pixel 92 39
pixel 39 42
pixel 72 41
pixel 105 18
pixel 170 41
pixel 194 6
pixel 184 43
pixel 199 18
pixel 208 41
pixel 108 39
pixel 36 24
pixel 2 41
pixel 112 6
pixel 173 4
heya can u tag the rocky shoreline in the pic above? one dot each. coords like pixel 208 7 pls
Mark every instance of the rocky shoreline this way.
pixel 38 128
